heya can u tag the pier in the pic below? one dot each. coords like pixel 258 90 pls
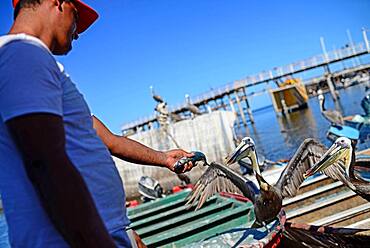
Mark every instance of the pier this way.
pixel 237 95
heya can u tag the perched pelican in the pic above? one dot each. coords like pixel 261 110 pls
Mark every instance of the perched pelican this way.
pixel 156 98
pixel 339 162
pixel 268 200
pixel 175 117
pixel 191 107
pixel 333 116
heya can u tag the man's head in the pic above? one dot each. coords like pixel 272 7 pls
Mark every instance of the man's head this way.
pixel 59 20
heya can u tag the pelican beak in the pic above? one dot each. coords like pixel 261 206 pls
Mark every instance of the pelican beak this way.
pixel 264 186
pixel 242 151
pixel 334 154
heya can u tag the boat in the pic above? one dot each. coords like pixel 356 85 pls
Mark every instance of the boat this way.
pixel 225 220
pixel 335 132
pixel 291 95
pixel 321 207
pixel 361 122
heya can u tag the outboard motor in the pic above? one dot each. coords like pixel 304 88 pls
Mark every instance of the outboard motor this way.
pixel 150 189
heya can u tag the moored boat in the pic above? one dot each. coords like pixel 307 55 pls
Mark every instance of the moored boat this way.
pixel 225 221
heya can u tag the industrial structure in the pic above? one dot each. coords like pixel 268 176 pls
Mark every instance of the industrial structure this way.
pixel 236 96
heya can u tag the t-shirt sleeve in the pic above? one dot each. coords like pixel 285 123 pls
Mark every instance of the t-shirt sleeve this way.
pixel 29 81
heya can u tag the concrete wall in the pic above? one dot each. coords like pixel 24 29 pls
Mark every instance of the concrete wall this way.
pixel 211 133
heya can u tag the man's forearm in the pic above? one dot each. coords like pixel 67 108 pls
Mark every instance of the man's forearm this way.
pixel 135 152
pixel 61 189
pixel 132 151
pixel 127 149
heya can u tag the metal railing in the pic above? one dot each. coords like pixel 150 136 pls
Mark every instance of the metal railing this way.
pixel 267 76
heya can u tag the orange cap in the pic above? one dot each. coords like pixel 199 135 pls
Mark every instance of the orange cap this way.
pixel 86 15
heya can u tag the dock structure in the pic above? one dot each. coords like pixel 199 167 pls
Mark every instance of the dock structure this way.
pixel 236 96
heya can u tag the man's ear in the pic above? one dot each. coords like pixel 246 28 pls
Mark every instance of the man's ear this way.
pixel 58 3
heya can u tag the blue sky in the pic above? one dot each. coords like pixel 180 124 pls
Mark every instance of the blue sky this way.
pixel 191 46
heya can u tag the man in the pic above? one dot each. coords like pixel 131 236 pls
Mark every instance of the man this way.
pixel 58 181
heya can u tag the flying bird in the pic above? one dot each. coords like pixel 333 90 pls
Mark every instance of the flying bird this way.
pixel 339 162
pixel 268 199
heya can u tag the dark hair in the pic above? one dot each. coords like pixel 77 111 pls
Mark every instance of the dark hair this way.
pixel 25 4
pixel 29 3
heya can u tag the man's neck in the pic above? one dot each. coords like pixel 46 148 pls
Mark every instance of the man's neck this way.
pixel 28 25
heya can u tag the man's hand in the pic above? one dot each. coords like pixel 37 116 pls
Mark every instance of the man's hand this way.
pixel 173 156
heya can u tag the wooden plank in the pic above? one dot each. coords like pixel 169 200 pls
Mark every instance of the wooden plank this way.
pixel 158 208
pixel 242 221
pixel 184 218
pixel 158 202
pixel 312 193
pixel 195 226
pixel 182 209
pixel 361 224
pixel 338 217
pixel 364 152
pixel 320 204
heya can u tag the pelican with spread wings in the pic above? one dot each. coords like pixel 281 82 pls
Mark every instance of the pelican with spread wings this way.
pixel 339 162
pixel 268 199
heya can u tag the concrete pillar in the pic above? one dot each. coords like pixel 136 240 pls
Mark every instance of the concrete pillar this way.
pixel 332 89
pixel 249 111
pixel 231 102
pixel 240 109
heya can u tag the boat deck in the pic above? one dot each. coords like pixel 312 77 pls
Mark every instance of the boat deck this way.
pixel 320 202
pixel 223 219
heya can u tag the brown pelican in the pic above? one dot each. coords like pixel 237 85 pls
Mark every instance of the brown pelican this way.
pixel 191 107
pixel 162 108
pixel 268 201
pixel 339 162
pixel 333 116
pixel 175 117
pixel 156 98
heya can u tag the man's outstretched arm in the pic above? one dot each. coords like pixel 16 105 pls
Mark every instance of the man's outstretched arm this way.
pixel 61 189
pixel 132 151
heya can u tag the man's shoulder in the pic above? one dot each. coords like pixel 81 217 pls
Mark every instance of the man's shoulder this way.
pixel 26 53
pixel 25 48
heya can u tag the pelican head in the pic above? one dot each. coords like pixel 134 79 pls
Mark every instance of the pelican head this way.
pixel 340 150
pixel 244 149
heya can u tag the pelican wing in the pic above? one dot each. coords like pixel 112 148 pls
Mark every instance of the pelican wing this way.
pixel 211 182
pixel 337 172
pixel 308 153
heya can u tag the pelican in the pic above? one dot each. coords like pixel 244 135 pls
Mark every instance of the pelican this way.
pixel 156 98
pixel 268 200
pixel 339 162
pixel 191 107
pixel 333 116
pixel 175 117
